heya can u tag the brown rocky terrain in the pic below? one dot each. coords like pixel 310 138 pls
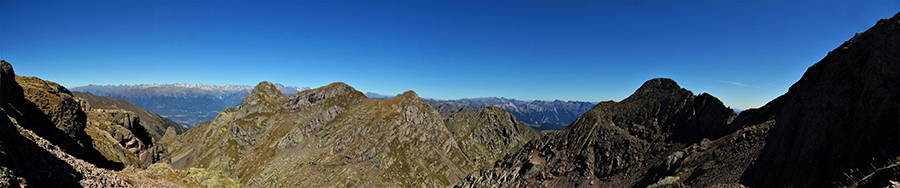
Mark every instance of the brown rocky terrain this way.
pixel 486 134
pixel 154 124
pixel 335 136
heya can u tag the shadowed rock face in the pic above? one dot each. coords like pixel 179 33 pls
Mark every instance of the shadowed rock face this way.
pixel 42 138
pixel 109 138
pixel 38 119
pixel 840 117
pixel 53 113
pixel 57 104
pixel 614 144
pixel 831 128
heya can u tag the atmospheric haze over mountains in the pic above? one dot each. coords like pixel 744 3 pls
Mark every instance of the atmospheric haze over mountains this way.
pixel 186 104
pixel 192 104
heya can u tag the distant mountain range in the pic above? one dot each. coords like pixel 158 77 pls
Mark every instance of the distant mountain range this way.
pixel 378 96
pixel 186 104
pixel 192 104
pixel 541 115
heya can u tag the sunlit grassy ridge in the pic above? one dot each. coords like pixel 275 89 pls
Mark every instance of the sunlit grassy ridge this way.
pixel 333 136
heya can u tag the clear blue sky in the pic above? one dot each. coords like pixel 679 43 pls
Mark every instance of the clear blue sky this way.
pixel 746 53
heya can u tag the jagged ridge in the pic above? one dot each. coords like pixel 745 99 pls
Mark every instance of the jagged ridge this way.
pixel 313 137
pixel 615 143
pixel 831 128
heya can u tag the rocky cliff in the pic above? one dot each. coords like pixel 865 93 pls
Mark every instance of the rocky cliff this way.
pixel 154 124
pixel 44 143
pixel 839 121
pixel 53 113
pixel 50 139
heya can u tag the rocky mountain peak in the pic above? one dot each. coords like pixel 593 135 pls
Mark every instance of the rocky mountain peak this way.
pixel 7 71
pixel 264 98
pixel 409 97
pixel 263 92
pixel 836 124
pixel 7 80
pixel 659 84
pixel 658 88
pixel 408 94
pixel 616 141
pixel 311 96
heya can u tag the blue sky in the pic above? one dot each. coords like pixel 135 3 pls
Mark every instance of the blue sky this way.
pixel 744 52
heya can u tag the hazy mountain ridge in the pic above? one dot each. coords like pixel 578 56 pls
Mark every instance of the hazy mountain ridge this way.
pixel 186 104
pixel 549 114
pixel 226 88
pixel 378 96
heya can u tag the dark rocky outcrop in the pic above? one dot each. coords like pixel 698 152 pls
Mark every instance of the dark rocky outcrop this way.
pixel 42 141
pixel 839 120
pixel 50 139
pixel 53 113
pixel 111 139
pixel 119 136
